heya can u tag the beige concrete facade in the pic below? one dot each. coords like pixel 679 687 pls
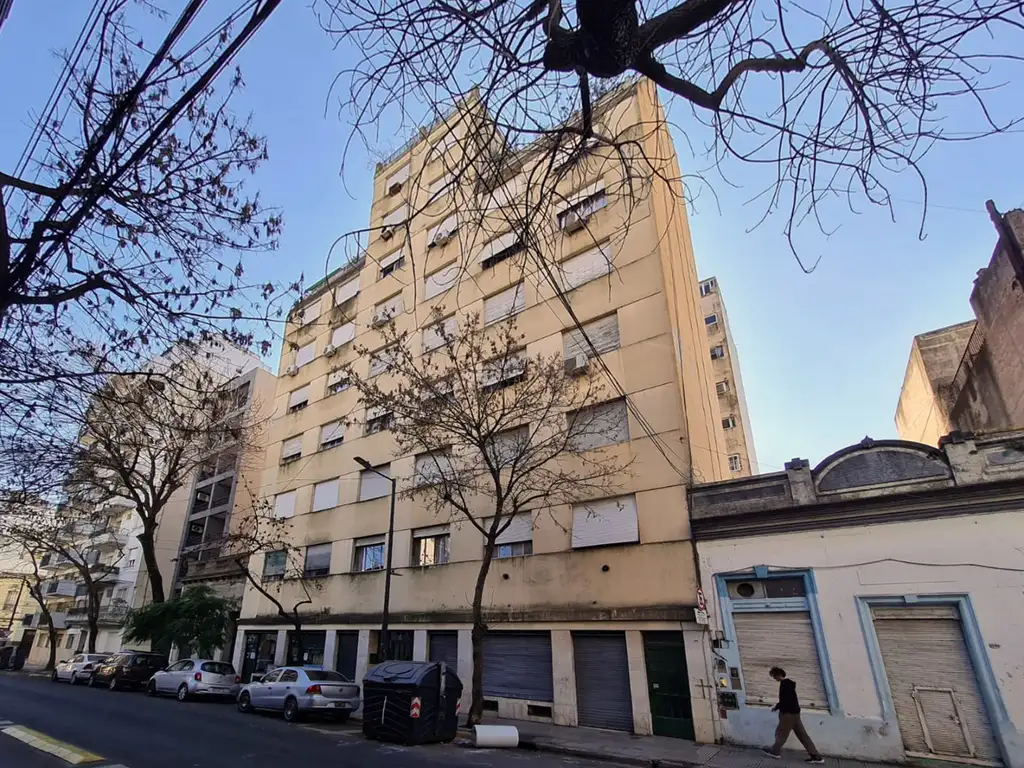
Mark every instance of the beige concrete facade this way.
pixel 629 589
pixel 732 399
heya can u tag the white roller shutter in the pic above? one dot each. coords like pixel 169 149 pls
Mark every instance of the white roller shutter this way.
pixel 505 195
pixel 439 184
pixel 291 448
pixel 441 280
pixel 343 334
pixel 934 688
pixel 388 309
pixel 510 367
pixel 497 245
pixel 443 230
pixel 332 432
pixel 779 639
pixel 519 529
pixel 608 521
pixel 334 378
pixel 587 266
pixel 346 291
pixel 398 177
pixel 505 304
pixel 372 485
pixel 599 425
pixel 298 397
pixel 381 360
pixel 309 313
pixel 304 355
pixel 603 334
pixel 432 467
pixel 397 216
pixel 284 504
pixel 390 259
pixel 433 335
pixel 325 495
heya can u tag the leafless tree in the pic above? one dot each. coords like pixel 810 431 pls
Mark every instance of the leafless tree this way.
pixel 497 432
pixel 835 99
pixel 125 225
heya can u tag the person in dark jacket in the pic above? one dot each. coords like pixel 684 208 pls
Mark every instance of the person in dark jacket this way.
pixel 789 718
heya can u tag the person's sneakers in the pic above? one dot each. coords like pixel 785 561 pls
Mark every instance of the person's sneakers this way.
pixel 771 754
pixel 819 760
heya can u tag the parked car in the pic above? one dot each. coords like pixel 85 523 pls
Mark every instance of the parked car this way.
pixel 78 668
pixel 128 669
pixel 196 677
pixel 297 691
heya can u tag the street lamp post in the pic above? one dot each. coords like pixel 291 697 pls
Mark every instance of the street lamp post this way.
pixel 382 650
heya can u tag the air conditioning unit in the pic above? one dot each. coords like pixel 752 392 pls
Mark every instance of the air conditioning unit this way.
pixel 380 318
pixel 292 370
pixel 387 233
pixel 577 365
pixel 441 238
pixel 394 189
pixel 329 350
pixel 573 223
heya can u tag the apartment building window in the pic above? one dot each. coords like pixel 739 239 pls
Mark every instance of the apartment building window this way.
pixel 298 399
pixel 440 281
pixel 378 420
pixel 389 308
pixel 325 495
pixel 70 642
pixel 291 449
pixel 606 521
pixel 729 422
pixel 722 387
pixel 598 425
pixel 342 335
pixel 509 445
pixel 585 207
pixel 284 504
pixel 382 360
pixel 434 335
pixel 308 314
pixel 717 352
pixel 318 560
pixel 336 382
pixel 443 233
pixel 132 557
pixel 430 546
pixel 711 319
pixel 735 462
pixel 432 468
pixel 508 303
pixel 391 263
pixel 304 355
pixel 347 291
pixel 503 372
pixel 332 435
pixel 579 270
pixel 368 554
pixel 274 565
pixel 393 220
pixel 439 186
pixel 499 249
pixel 393 183
pixel 517 539
pixel 603 333
pixel 372 485
pixel 11 599
pixel 707 287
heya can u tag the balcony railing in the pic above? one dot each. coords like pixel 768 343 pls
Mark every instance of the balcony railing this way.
pixel 199 570
pixel 108 614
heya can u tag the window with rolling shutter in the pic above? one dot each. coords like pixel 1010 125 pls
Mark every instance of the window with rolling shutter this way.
pixel 392 263
pixel 432 467
pixel 304 355
pixel 784 639
pixel 397 216
pixel 509 302
pixel 598 425
pixel 603 334
pixel 504 371
pixel 434 335
pixel 381 360
pixel 325 495
pixel 587 266
pixel 318 560
pixel 343 334
pixel 372 485
pixel 441 280
pixel 332 434
pixel 284 504
pixel 298 399
pixel 439 185
pixel 309 313
pixel 607 521
pixel 505 447
pixel 291 449
pixel 388 309
pixel 517 539
pixel 393 183
pixel 346 291
pixel 443 231
pixel 336 382
pixel 500 248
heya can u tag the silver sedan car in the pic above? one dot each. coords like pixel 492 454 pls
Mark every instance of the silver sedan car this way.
pixel 194 678
pixel 297 691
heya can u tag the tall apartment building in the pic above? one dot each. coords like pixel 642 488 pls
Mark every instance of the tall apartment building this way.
pixel 591 617
pixel 732 400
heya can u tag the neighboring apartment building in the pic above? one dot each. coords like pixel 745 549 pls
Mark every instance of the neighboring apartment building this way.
pixel 732 400
pixel 579 634
pixel 888 582
pixel 984 388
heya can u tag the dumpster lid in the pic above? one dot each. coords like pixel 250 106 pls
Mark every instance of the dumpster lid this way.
pixel 400 672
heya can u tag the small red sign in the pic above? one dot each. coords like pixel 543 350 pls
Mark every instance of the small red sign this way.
pixel 414 711
pixel 702 603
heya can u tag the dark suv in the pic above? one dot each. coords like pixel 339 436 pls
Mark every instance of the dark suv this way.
pixel 130 669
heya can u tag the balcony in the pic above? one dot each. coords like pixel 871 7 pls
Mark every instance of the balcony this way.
pixel 112 613
pixel 200 570
pixel 59 620
pixel 61 588
pixel 52 561
pixel 103 539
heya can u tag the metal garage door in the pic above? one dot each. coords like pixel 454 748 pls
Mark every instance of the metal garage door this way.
pixel 347 650
pixel 517 665
pixel 602 680
pixel 444 646
pixel 934 688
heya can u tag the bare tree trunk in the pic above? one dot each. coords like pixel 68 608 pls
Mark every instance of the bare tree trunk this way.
pixel 156 580
pixel 52 630
pixel 92 614
pixel 476 707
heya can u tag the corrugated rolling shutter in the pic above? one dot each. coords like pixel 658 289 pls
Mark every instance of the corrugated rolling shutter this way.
pixel 309 313
pixel 504 304
pixel 299 396
pixel 304 355
pixel 398 177
pixel 372 485
pixel 607 521
pixel 325 495
pixel 520 528
pixel 381 360
pixel 291 447
pixel 779 639
pixel 497 245
pixel 599 425
pixel 389 308
pixel 390 259
pixel 397 216
pixel 284 504
pixel 441 280
pixel 335 377
pixel 602 680
pixel 933 684
pixel 433 335
pixel 343 334
pixel 603 334
pixel 586 267
pixel 517 665
pixel 444 646
pixel 347 291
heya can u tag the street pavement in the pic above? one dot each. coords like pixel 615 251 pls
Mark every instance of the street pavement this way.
pixel 132 730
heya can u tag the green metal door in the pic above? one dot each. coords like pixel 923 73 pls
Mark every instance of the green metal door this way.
pixel 668 685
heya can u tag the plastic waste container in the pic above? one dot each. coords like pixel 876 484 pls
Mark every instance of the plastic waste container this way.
pixel 411 702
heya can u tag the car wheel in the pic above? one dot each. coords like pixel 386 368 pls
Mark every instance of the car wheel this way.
pixel 291 710
pixel 182 692
pixel 151 688
pixel 92 681
pixel 53 677
pixel 74 679
pixel 245 703
pixel 112 685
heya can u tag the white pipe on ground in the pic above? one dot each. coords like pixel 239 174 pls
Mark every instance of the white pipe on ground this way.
pixel 495 736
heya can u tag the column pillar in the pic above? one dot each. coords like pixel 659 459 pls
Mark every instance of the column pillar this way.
pixel 466 667
pixel 563 670
pixel 281 652
pixel 330 648
pixel 642 724
pixel 419 645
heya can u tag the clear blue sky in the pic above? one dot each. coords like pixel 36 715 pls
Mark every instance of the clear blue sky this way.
pixel 822 355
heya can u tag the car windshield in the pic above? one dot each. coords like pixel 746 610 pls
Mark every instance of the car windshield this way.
pixel 326 674
pixel 121 658
pixel 95 657
pixel 218 668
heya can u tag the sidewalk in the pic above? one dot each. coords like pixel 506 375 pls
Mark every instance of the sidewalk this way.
pixel 654 751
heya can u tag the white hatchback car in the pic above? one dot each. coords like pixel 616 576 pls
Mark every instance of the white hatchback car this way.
pixel 78 668
pixel 194 678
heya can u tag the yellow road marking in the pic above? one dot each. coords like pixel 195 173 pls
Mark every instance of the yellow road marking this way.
pixel 44 743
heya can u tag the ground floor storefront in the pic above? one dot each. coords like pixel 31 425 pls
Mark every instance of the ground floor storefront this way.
pixel 624 676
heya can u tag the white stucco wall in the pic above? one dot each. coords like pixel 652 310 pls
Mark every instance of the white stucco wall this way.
pixel 862 562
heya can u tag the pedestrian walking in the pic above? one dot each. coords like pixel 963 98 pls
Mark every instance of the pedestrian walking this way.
pixel 789 719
